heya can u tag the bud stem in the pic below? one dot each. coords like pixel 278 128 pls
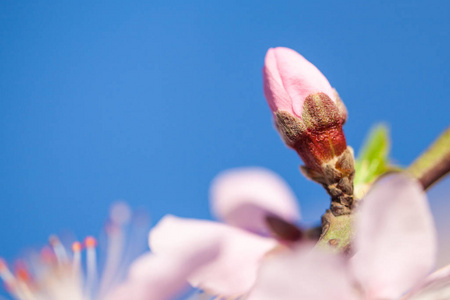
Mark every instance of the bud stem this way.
pixel 434 163
pixel 337 232
pixel 431 166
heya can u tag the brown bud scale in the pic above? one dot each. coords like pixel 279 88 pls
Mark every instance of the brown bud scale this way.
pixel 317 136
pixel 338 182
pixel 319 140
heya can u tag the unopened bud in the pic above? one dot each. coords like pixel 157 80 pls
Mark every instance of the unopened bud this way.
pixel 308 112
pixel 309 115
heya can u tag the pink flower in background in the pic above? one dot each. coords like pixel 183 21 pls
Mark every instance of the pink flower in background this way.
pixel 394 246
pixel 393 251
pixel 57 273
pixel 163 277
pixel 242 197
pixel 234 270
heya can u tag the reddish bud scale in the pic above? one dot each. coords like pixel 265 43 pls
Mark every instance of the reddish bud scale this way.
pixel 315 147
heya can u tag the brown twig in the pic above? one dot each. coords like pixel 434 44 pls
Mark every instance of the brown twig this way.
pixel 434 163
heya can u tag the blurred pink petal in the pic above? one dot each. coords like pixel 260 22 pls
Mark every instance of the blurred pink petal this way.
pixel 160 277
pixel 435 286
pixel 243 197
pixel 304 274
pixel 234 270
pixel 395 241
pixel 289 78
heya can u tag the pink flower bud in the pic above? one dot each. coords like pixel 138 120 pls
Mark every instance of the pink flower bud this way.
pixel 289 79
pixel 308 112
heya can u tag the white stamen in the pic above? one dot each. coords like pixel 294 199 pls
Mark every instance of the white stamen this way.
pixel 6 275
pixel 113 257
pixel 58 248
pixel 91 264
pixel 57 273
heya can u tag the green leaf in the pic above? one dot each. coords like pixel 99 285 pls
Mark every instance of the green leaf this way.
pixel 373 158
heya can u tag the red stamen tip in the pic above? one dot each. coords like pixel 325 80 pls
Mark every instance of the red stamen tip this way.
pixel 90 242
pixel 21 271
pixel 76 247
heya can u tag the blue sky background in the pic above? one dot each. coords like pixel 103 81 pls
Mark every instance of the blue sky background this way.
pixel 148 100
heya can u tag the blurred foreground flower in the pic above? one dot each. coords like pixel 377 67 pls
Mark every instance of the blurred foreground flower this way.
pixel 394 249
pixel 57 273
pixel 243 198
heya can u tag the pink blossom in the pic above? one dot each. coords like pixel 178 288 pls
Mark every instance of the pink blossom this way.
pixel 234 271
pixel 395 248
pixel 304 274
pixel 435 286
pixel 161 277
